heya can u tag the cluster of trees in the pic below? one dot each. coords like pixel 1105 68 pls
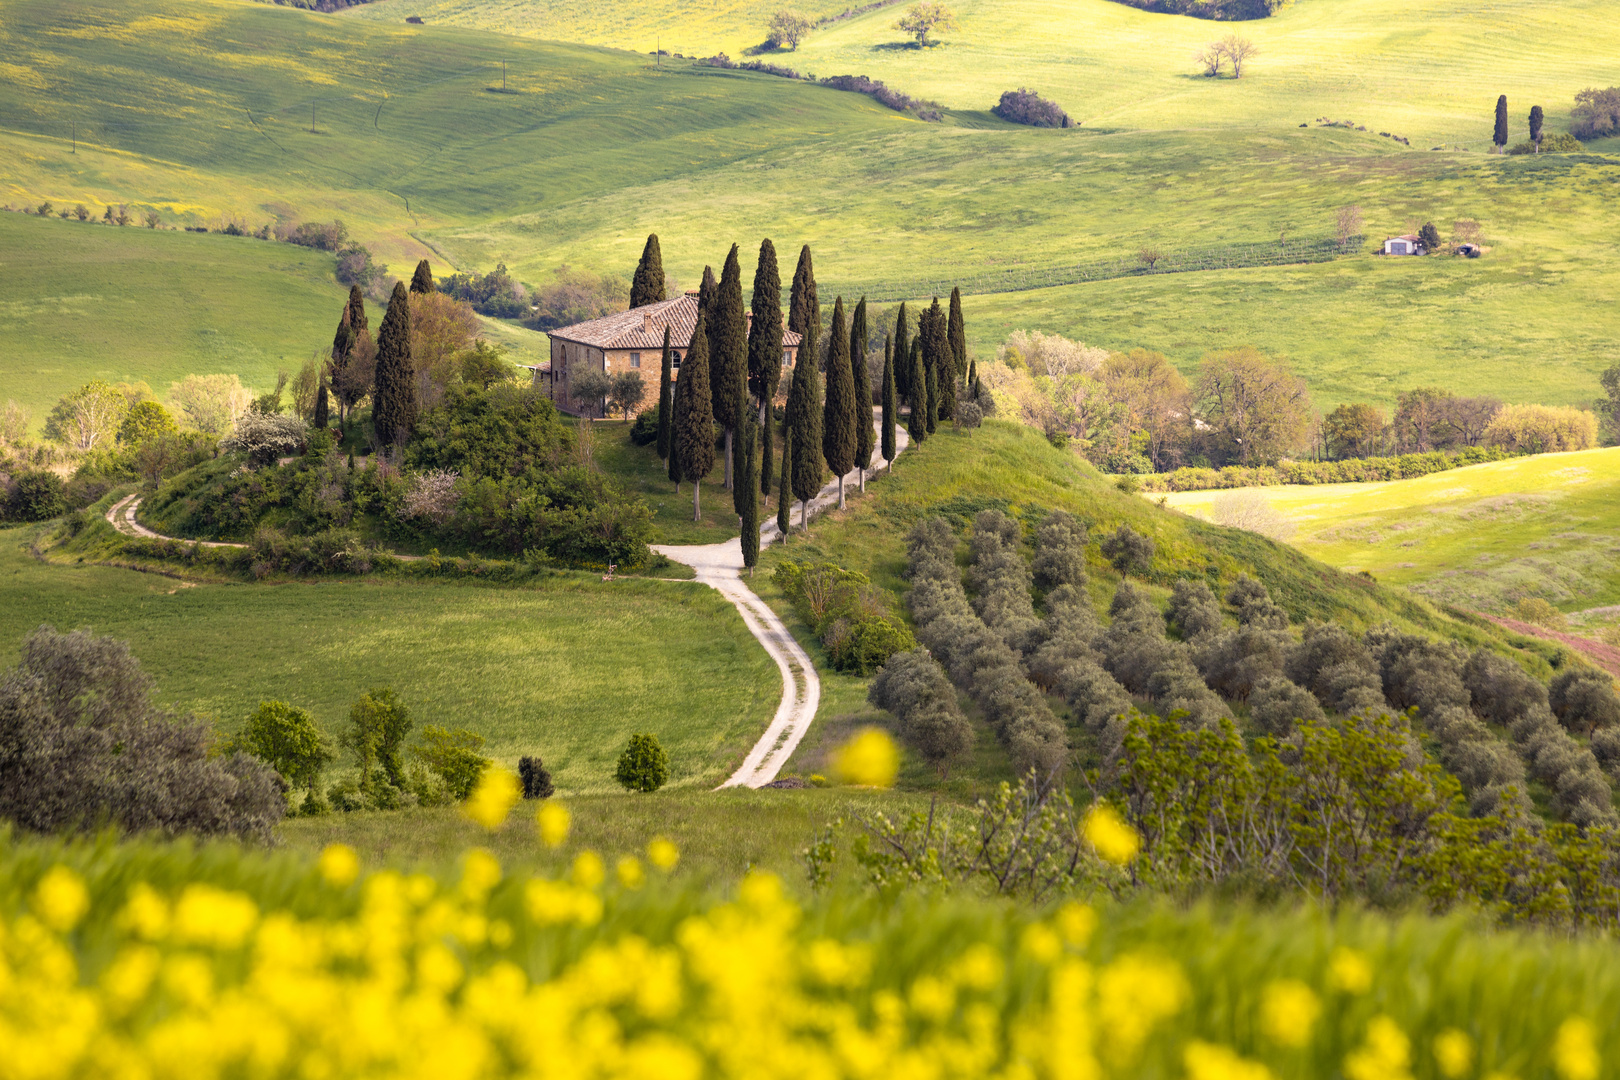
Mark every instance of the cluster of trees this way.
pixel 118 214
pixel 1430 418
pixel 1596 113
pixel 854 619
pixel 1231 50
pixel 1221 10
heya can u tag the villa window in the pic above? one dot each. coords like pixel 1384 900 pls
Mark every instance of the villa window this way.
pixel 635 359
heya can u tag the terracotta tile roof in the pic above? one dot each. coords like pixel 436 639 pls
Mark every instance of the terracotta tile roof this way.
pixel 643 327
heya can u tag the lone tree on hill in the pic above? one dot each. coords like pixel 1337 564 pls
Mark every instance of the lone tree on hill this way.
pixel 917 422
pixel 745 497
pixel 643 766
pixel 647 286
pixel 1536 118
pixel 890 402
pixel 694 417
pixel 666 401
pixel 923 18
pixel 838 437
pixel 765 353
pixel 1430 236
pixel 1500 137
pixel 957 332
pixel 902 355
pixel 804 309
pixel 805 429
pixel 865 434
pixel 422 280
pixel 728 356
pixel 787 27
pixel 1128 550
pixel 1239 51
pixel 393 409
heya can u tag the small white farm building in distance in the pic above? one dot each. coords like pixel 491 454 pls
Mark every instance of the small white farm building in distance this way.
pixel 1403 245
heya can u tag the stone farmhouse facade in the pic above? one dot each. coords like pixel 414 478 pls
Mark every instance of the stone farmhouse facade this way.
pixel 628 341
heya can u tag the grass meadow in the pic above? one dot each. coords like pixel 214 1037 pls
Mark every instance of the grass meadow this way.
pixel 1481 537
pixel 567 670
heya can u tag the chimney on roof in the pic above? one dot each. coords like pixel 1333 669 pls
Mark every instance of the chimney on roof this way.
pixel 646 322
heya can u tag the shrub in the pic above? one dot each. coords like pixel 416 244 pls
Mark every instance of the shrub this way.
pixel 968 415
pixel 1596 113
pixel 288 739
pixel 265 437
pixel 1541 429
pixel 535 778
pixel 913 687
pixel 1557 143
pixel 1276 706
pixel 453 757
pixel 82 745
pixel 644 429
pixel 854 620
pixel 1499 690
pixel 1060 551
pixel 1538 612
pixel 1027 107
pixel 1584 701
pixel 863 643
pixel 35 495
pixel 643 766
pixel 1128 551
pixel 884 95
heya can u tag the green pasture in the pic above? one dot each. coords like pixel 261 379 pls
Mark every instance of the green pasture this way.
pixel 568 669
pixel 1482 537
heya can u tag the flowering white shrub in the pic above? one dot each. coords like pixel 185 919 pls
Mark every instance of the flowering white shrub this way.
pixel 264 437
pixel 432 495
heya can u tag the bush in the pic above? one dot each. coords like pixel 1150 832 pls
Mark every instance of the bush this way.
pixel 1596 113
pixel 1128 551
pixel 1584 701
pixel 643 766
pixel 35 495
pixel 535 778
pixel 1277 706
pixel 644 430
pixel 1027 107
pixel 1558 143
pixel 453 757
pixel 1349 471
pixel 1538 612
pixel 82 745
pixel 265 437
pixel 496 293
pixel 883 95
pixel 913 687
pixel 855 620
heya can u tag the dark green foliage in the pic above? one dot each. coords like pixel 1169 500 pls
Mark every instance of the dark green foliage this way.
pixel 1536 119
pixel 784 494
pixel 891 404
pixel 536 780
pixel 83 746
pixel 1060 556
pixel 747 491
pixel 1430 236
pixel 902 356
pixel 956 333
pixel 498 293
pixel 913 687
pixel 855 620
pixel 728 338
pixel 765 333
pixel 422 280
pixel 1193 610
pixel 647 286
pixel 941 365
pixel 322 407
pixel 643 766
pixel 288 739
pixel 453 757
pixel 804 308
pixel 694 417
pixel 839 436
pixel 1584 701
pixel 393 408
pixel 1128 551
pixel 36 495
pixel 804 417
pixel 644 429
pixel 1500 136
pixel 865 432
pixel 1596 113
pixel 917 418
pixel 378 724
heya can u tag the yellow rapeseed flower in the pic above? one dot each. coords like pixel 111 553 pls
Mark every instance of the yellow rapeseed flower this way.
pixel 61 899
pixel 588 870
pixel 480 873
pixel 146 913
pixel 630 873
pixel 553 820
pixel 1076 922
pixel 1386 1055
pixel 210 916
pixel 339 865
pixel 1288 1010
pixel 1206 1061
pixel 1041 942
pixel 1110 836
pixel 493 798
pixel 1134 994
pixel 1575 1052
pixel 1349 971
pixel 870 759
pixel 663 853
pixel 979 968
pixel 1453 1052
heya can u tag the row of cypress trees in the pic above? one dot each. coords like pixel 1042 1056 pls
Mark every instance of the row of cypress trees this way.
pixel 393 382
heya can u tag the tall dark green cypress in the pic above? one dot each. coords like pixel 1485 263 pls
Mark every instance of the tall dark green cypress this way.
pixel 902 355
pixel 890 401
pixel 1537 118
pixel 694 417
pixel 838 420
pixel 1500 136
pixel 917 422
pixel 666 400
pixel 804 309
pixel 784 494
pixel 393 402
pixel 958 333
pixel 805 428
pixel 865 434
pixel 728 359
pixel 357 311
pixel 937 356
pixel 422 280
pixel 745 497
pixel 321 406
pixel 765 354
pixel 647 286
pixel 705 298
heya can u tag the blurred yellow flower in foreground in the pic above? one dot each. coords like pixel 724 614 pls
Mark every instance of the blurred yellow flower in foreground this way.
pixel 1454 1052
pixel 339 864
pixel 60 900
pixel 630 873
pixel 1110 836
pixel 1349 971
pixel 870 759
pixel 553 820
pixel 1387 1054
pixel 1206 1061
pixel 1575 1053
pixel 1287 1012
pixel 588 870
pixel 663 853
pixel 492 800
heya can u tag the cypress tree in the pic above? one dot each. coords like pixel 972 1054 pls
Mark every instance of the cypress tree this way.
pixel 1536 118
pixel 765 354
pixel 728 357
pixel 694 418
pixel 422 280
pixel 321 406
pixel 343 342
pixel 647 286
pixel 805 430
pixel 958 333
pixel 917 422
pixel 865 435
pixel 804 309
pixel 393 407
pixel 902 355
pixel 890 401
pixel 1500 137
pixel 666 400
pixel 784 497
pixel 705 298
pixel 930 371
pixel 746 495
pixel 941 363
pixel 973 378
pixel 838 437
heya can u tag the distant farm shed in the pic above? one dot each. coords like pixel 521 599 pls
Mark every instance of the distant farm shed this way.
pixel 414 20
pixel 1403 245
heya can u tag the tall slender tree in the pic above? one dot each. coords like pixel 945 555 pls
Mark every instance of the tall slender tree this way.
pixel 1500 136
pixel 890 402
pixel 957 331
pixel 422 280
pixel 393 408
pixel 927 360
pixel 865 433
pixel 838 420
pixel 765 354
pixel 806 428
pixel 728 359
pixel 745 496
pixel 973 379
pixel 707 288
pixel 321 407
pixel 784 492
pixel 804 309
pixel 666 401
pixel 351 327
pixel 902 355
pixel 647 286
pixel 941 363
pixel 1536 119
pixel 694 416
pixel 917 422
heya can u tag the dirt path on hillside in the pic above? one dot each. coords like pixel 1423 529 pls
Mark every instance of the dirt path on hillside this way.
pixel 720 567
pixel 121 516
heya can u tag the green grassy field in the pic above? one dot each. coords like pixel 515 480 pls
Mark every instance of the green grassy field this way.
pixel 1481 537
pixel 568 669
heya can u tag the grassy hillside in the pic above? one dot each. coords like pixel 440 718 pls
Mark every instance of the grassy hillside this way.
pixel 1481 537
pixel 568 669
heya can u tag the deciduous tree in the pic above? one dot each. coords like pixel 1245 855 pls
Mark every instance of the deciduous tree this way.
pixel 626 392
pixel 211 403
pixel 838 434
pixel 288 739
pixel 647 286
pixel 88 418
pixel 1153 398
pixel 1128 551
pixel 1256 409
pixel 1239 51
pixel 145 421
pixel 393 409
pixel 924 18
pixel 787 27
pixel 1352 430
pixel 694 417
